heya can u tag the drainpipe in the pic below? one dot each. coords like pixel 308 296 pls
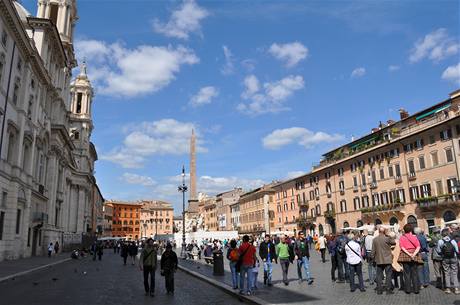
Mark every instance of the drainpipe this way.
pixel 7 95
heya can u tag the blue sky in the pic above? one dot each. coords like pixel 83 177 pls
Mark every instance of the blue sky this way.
pixel 269 86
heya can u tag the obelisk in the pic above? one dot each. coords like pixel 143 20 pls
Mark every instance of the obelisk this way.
pixel 193 199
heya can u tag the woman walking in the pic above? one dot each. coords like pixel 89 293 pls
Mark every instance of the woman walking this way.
pixel 169 267
pixel 232 256
pixel 410 247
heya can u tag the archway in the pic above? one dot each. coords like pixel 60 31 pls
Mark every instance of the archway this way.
pixel 359 223
pixel 449 216
pixel 377 221
pixel 393 220
pixel 346 224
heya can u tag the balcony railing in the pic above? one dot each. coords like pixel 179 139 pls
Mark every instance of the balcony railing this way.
pixel 435 201
pixel 412 176
pixel 39 217
pixel 398 179
pixel 382 208
pixel 363 187
pixel 342 192
pixel 373 185
pixel 355 188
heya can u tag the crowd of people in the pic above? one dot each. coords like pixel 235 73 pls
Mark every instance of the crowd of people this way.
pixel 395 260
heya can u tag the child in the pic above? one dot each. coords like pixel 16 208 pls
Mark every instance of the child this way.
pixel 255 274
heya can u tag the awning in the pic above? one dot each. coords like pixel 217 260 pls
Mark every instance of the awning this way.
pixel 424 115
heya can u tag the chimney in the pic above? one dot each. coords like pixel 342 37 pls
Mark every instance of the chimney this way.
pixel 403 114
pixel 390 122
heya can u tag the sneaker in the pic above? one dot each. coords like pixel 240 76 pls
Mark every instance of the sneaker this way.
pixel 248 293
pixel 457 291
pixel 310 282
pixel 362 290
pixel 448 291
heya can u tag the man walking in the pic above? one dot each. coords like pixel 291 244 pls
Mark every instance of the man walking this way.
pixel 369 257
pixel 247 259
pixel 341 256
pixel 267 253
pixel 284 253
pixel 148 264
pixel 449 252
pixel 303 257
pixel 169 267
pixel 383 257
pixel 322 247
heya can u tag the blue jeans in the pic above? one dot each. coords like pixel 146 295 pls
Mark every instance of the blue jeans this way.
pixel 370 268
pixel 254 275
pixel 358 270
pixel 243 271
pixel 268 270
pixel 424 270
pixel 306 266
pixel 234 275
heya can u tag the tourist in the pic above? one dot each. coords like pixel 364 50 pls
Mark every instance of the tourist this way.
pixel 168 266
pixel 382 256
pixel 397 268
pixel 436 258
pixel 247 259
pixel 341 241
pixel 56 247
pixel 50 249
pixel 124 252
pixel 409 257
pixel 368 239
pixel 331 247
pixel 448 248
pixel 267 253
pixel 285 255
pixel 132 251
pixel 255 273
pixel 423 269
pixel 148 264
pixel 322 247
pixel 354 260
pixel 99 250
pixel 232 256
pixel 302 254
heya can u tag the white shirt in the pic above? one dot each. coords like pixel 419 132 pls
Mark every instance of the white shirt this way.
pixel 368 242
pixel 322 242
pixel 352 257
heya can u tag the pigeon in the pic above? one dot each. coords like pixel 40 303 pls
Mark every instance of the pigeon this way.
pixel 54 279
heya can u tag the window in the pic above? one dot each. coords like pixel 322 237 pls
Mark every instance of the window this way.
pixel 16 92
pixel 413 192
pixel 355 181
pixel 412 220
pixel 4 38
pixel 356 203
pixel 327 175
pixel 29 106
pixel 446 134
pixel 449 156
pixel 2 223
pixel 340 171
pixel 54 13
pixel 341 185
pixel 432 139
pixel 375 199
pixel 434 158
pixel 11 147
pixel 384 197
pixel 363 179
pixel 418 144
pixel 439 189
pixel 365 201
pixel 79 98
pixel 452 186
pixel 382 173
pixel 390 171
pixel 401 197
pixel 411 167
pixel 312 195
pixel 425 190
pixel 343 206
pixel 397 171
pixel 2 64
pixel 4 197
pixel 18 221
pixel 421 162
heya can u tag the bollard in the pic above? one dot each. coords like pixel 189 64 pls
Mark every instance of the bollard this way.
pixel 218 262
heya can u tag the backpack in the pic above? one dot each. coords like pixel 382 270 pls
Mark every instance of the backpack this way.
pixel 233 255
pixel 448 250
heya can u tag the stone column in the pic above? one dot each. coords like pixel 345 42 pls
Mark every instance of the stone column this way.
pixel 81 210
pixel 52 174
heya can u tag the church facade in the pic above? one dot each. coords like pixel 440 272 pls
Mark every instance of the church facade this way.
pixel 47 184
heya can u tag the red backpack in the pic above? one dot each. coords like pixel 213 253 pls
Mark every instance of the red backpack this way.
pixel 233 255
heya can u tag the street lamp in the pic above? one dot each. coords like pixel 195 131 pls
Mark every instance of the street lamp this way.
pixel 183 188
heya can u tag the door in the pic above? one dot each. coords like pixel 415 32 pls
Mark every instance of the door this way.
pixel 34 241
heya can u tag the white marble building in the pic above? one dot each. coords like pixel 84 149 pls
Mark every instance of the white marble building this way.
pixel 47 184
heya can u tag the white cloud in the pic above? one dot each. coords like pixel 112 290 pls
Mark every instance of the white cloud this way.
pixel 393 68
pixel 229 67
pixel 249 64
pixel 452 73
pixel 163 137
pixel 358 72
pixel 204 96
pixel 290 53
pixel 435 46
pixel 138 179
pixel 183 21
pixel 119 71
pixel 273 96
pixel 301 136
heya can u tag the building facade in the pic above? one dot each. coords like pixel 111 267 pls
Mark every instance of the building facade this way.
pixel 286 207
pixel 156 218
pixel 47 178
pixel 402 172
pixel 126 219
pixel 235 216
pixel 223 203
pixel 108 219
pixel 256 216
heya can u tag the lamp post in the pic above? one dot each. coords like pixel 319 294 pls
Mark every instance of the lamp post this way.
pixel 183 188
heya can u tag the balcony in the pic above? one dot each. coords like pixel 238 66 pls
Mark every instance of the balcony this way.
pixel 373 185
pixel 383 209
pixel 39 217
pixel 431 203
pixel 398 179
pixel 342 192
pixel 363 187
pixel 355 188
pixel 412 176
pixel 330 214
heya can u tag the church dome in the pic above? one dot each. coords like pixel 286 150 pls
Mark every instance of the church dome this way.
pixel 22 12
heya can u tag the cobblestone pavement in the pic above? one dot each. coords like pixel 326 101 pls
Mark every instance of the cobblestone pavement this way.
pixel 324 291
pixel 88 282
pixel 9 267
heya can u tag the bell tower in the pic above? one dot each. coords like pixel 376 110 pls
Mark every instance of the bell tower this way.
pixel 63 14
pixel 81 93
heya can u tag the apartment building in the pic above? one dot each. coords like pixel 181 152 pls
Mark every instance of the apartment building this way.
pixel 402 172
pixel 256 214
pixel 224 201
pixel 156 218
pixel 286 206
pixel 235 216
pixel 126 219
